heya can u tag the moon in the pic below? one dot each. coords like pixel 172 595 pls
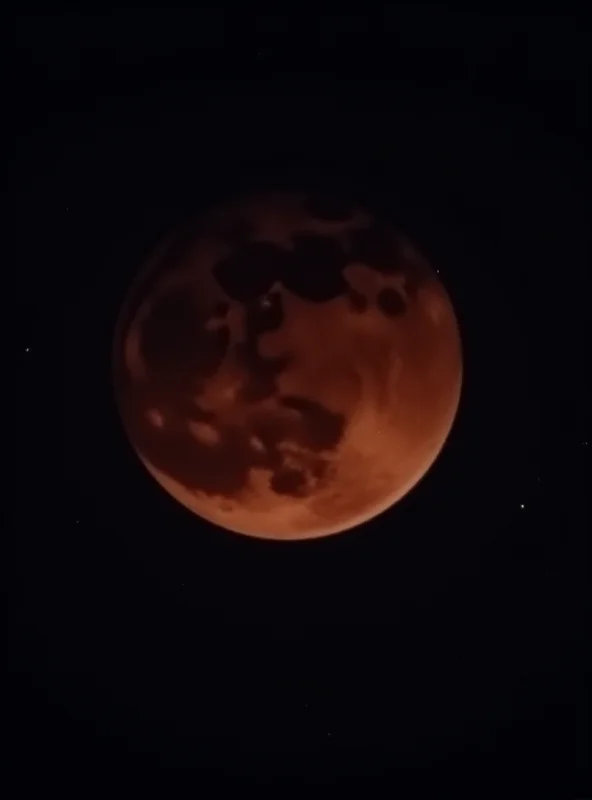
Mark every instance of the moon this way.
pixel 287 366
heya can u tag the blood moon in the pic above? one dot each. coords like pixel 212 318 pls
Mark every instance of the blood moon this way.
pixel 286 368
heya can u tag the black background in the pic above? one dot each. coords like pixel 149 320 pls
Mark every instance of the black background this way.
pixel 446 636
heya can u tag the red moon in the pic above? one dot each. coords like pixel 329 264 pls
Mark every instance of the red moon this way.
pixel 285 368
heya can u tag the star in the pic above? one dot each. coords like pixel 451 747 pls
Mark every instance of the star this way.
pixel 521 505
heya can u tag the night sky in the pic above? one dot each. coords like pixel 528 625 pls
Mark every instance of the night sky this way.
pixel 445 637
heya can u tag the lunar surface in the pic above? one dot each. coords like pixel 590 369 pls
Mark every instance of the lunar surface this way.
pixel 286 366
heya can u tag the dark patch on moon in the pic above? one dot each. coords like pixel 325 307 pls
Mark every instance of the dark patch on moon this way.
pixel 261 374
pixel 250 271
pixel 319 467
pixel 289 481
pixel 318 253
pixel 264 315
pixel 223 467
pixel 316 269
pixel 377 247
pixel 313 269
pixel 174 338
pixel 391 302
pixel 195 413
